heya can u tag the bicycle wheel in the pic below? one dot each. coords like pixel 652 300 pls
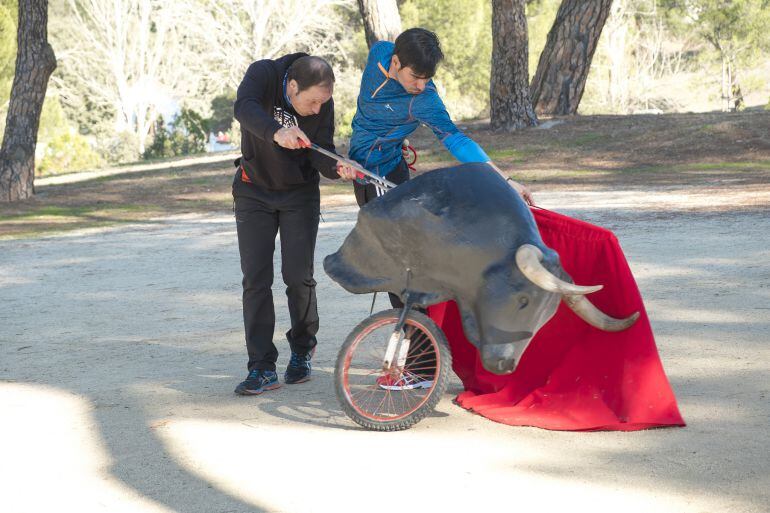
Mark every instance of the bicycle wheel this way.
pixel 396 398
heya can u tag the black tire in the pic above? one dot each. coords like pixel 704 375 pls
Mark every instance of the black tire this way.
pixel 428 335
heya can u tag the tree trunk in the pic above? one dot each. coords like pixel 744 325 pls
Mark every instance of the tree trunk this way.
pixel 510 104
pixel 725 86
pixel 735 88
pixel 35 62
pixel 617 72
pixel 566 59
pixel 381 20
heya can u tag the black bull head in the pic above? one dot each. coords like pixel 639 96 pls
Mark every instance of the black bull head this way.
pixel 463 234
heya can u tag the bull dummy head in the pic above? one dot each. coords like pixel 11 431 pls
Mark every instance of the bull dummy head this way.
pixel 463 234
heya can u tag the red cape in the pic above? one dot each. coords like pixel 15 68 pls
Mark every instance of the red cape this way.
pixel 573 376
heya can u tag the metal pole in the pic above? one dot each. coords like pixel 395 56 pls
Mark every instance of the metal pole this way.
pixel 385 184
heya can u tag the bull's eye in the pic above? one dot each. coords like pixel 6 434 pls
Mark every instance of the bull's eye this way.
pixel 523 302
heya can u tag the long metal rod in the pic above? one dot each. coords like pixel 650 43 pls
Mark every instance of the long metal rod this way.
pixel 385 184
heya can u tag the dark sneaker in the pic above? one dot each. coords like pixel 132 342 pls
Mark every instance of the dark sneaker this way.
pixel 298 370
pixel 257 382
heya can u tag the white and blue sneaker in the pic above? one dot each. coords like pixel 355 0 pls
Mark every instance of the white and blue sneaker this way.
pixel 405 382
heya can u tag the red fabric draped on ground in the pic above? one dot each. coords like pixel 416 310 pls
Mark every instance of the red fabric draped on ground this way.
pixel 574 376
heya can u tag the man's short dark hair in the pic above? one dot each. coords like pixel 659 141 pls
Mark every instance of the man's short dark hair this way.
pixel 420 50
pixel 311 71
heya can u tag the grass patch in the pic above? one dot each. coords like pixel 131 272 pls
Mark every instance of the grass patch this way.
pixel 57 211
pixel 48 229
pixel 48 211
pixel 585 139
pixel 336 188
pixel 206 180
pixel 759 165
pixel 535 175
pixel 52 219
pixel 12 231
pixel 433 157
pixel 517 156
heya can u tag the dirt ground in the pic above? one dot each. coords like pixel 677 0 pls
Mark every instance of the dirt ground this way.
pixel 121 342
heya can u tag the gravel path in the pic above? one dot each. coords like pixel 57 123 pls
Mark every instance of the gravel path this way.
pixel 119 350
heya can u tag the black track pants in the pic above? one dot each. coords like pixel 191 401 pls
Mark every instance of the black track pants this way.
pixel 260 215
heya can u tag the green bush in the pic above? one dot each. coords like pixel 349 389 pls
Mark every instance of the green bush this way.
pixel 222 112
pixel 463 26
pixel 8 15
pixel 190 133
pixel 119 148
pixel 7 54
pixel 345 96
pixel 61 149
pixel 187 135
pixel 344 121
pixel 66 153
pixel 235 133
pixel 161 143
pixel 53 122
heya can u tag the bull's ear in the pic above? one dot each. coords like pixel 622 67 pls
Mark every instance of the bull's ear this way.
pixel 529 259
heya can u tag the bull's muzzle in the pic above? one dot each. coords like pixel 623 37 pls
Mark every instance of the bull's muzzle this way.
pixel 503 358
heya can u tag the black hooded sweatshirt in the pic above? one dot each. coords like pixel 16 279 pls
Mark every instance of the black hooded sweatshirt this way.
pixel 262 109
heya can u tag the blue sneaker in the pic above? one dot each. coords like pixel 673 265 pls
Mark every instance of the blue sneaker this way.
pixel 257 382
pixel 298 370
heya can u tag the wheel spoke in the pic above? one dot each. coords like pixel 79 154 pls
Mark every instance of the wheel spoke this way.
pixel 417 356
pixel 413 369
pixel 366 378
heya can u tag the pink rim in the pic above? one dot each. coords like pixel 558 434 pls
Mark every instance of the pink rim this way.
pixel 349 356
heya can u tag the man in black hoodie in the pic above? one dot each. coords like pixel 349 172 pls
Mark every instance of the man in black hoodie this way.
pixel 281 105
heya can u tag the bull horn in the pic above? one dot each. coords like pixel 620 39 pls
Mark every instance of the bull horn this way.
pixel 595 317
pixel 528 258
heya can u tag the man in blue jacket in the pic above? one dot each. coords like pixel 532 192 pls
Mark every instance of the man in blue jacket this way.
pixel 396 96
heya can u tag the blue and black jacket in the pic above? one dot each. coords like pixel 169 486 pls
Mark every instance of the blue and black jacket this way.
pixel 386 114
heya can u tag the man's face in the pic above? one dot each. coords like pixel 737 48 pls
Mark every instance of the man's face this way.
pixel 307 102
pixel 414 83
